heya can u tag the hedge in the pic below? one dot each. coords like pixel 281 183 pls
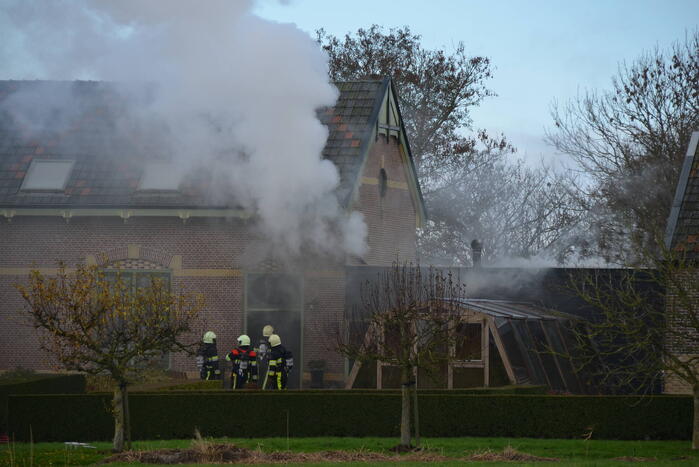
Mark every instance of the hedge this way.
pixel 215 386
pixel 263 414
pixel 46 384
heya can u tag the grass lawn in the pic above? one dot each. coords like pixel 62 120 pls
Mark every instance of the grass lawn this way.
pixel 571 452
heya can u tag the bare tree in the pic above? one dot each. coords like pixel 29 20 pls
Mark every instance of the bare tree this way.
pixel 410 319
pixel 100 326
pixel 437 88
pixel 629 144
pixel 514 210
pixel 647 328
pixel 468 178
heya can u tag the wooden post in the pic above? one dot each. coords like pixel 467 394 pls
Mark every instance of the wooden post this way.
pixel 501 350
pixel 353 374
pixel 485 352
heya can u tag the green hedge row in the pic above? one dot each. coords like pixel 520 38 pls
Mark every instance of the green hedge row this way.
pixel 47 384
pixel 264 414
pixel 215 386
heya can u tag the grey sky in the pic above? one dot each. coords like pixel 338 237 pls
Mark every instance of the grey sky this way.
pixel 542 50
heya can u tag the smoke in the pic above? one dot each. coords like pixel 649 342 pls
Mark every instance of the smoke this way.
pixel 231 92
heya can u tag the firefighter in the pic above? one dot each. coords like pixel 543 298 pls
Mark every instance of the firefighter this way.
pixel 208 357
pixel 280 364
pixel 263 349
pixel 244 363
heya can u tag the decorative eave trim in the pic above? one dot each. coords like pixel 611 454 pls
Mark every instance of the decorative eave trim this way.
pixel 413 179
pixel 124 213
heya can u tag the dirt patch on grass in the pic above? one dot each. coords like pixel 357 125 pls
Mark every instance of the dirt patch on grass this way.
pixel 228 453
pixel 213 453
pixel 509 454
pixel 205 452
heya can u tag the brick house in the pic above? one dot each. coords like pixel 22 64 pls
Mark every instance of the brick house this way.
pixel 81 195
pixel 682 237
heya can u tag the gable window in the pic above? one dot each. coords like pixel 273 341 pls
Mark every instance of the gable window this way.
pixel 47 175
pixel 383 182
pixel 160 176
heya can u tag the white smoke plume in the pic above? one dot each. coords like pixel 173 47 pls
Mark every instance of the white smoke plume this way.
pixel 235 92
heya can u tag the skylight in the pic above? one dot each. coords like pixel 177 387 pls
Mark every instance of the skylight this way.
pixel 47 175
pixel 160 176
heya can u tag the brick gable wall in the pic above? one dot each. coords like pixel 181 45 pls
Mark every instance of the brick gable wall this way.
pixel 391 218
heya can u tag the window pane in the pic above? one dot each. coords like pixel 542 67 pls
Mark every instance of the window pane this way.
pixel 47 175
pixel 468 344
pixel 366 377
pixel 434 377
pixel 528 351
pixel 160 176
pixel 468 378
pixel 547 360
pixel 390 377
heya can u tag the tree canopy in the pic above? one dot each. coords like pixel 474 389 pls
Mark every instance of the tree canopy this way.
pixel 100 325
pixel 627 144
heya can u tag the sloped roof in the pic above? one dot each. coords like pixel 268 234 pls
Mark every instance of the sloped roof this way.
pixel 109 161
pixel 350 123
pixel 512 310
pixel 682 233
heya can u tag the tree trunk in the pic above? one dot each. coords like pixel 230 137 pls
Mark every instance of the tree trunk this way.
pixel 127 416
pixel 405 407
pixel 416 415
pixel 695 428
pixel 118 411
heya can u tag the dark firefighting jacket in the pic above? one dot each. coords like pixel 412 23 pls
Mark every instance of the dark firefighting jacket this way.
pixel 210 369
pixel 281 361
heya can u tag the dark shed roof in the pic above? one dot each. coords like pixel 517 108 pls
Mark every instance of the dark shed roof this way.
pixel 512 310
pixel 109 160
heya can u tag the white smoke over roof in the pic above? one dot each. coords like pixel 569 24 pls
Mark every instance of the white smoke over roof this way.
pixel 236 93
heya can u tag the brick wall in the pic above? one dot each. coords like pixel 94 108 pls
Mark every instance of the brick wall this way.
pixel 682 339
pixel 209 248
pixel 392 217
pixel 207 256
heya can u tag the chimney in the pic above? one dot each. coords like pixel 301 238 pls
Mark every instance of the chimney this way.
pixel 476 250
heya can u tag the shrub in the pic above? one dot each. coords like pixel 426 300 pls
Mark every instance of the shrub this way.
pixel 32 383
pixel 18 375
pixel 334 413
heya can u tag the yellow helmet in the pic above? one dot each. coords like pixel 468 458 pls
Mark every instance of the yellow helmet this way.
pixel 209 337
pixel 274 340
pixel 267 330
pixel 243 340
